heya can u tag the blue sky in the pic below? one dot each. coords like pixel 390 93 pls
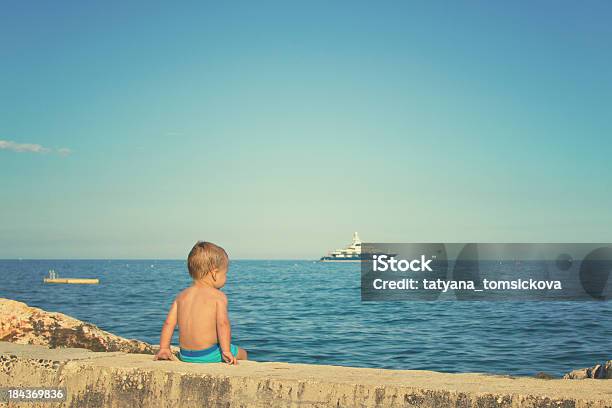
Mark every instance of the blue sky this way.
pixel 276 129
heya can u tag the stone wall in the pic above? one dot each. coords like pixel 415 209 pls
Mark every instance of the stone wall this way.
pixel 116 379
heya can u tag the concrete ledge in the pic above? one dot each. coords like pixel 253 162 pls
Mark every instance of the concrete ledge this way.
pixel 96 379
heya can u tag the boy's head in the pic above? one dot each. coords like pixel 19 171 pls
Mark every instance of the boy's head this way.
pixel 205 259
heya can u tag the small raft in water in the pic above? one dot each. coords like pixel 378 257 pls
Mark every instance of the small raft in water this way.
pixel 54 278
pixel 73 280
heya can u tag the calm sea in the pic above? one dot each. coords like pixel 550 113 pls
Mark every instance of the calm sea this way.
pixel 311 312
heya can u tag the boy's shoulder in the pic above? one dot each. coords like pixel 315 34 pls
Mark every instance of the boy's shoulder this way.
pixel 217 294
pixel 184 292
pixel 212 292
pixel 220 295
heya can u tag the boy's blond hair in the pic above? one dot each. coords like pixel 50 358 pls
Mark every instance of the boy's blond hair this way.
pixel 205 257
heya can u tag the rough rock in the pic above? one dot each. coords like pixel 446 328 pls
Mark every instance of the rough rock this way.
pixel 544 376
pixel 22 324
pixel 598 371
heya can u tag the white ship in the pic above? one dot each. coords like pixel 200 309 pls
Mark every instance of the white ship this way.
pixel 351 253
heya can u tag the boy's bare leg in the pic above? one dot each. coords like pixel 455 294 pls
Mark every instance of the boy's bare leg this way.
pixel 242 354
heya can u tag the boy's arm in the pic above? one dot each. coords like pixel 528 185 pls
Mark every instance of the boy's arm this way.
pixel 167 331
pixel 224 330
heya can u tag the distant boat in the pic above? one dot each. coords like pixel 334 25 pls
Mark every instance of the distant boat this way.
pixel 54 278
pixel 351 253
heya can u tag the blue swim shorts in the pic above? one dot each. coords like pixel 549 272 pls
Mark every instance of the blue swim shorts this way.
pixel 208 355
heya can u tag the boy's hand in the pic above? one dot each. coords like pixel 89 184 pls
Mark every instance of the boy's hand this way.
pixel 164 354
pixel 229 358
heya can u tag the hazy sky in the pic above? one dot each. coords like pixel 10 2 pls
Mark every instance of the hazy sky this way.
pixel 276 129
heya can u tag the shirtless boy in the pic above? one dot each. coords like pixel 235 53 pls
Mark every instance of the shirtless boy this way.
pixel 201 312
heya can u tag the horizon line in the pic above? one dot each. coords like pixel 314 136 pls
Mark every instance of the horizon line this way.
pixel 150 259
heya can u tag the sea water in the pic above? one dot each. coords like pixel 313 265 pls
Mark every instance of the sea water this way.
pixel 311 312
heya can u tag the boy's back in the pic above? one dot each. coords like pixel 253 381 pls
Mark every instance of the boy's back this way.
pixel 197 310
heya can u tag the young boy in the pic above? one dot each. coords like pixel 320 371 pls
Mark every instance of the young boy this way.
pixel 201 312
